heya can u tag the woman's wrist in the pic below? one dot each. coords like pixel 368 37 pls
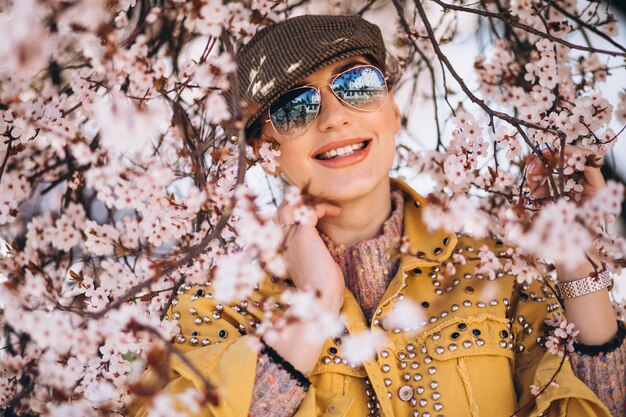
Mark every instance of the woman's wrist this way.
pixel 601 349
pixel 333 301
pixel 593 316
pixel 588 266
pixel 294 344
pixel 583 270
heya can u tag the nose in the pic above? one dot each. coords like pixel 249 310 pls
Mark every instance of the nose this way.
pixel 332 113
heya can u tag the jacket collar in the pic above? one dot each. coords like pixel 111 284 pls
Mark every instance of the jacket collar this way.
pixel 426 246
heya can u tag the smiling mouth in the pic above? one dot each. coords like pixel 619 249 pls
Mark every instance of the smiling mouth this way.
pixel 342 151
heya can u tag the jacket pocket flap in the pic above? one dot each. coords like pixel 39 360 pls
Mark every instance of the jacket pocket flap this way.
pixel 339 368
pixel 471 336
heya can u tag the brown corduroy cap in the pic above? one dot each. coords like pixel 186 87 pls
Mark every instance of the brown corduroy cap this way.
pixel 281 55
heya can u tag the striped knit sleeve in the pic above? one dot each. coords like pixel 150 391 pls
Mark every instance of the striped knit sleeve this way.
pixel 603 369
pixel 279 388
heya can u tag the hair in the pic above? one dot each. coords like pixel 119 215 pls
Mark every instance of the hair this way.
pixel 391 71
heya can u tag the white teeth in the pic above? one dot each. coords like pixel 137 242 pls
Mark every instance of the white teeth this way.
pixel 345 150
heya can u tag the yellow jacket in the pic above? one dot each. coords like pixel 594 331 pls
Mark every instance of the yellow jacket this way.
pixel 476 357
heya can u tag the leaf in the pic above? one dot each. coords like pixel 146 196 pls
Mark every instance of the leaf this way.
pixel 76 277
pixel 121 250
pixel 151 383
pixel 147 297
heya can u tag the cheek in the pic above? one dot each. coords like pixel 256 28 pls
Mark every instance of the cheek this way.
pixel 391 119
pixel 293 162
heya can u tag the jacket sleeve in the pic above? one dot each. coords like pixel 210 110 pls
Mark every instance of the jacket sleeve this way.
pixel 219 341
pixel 279 388
pixel 603 369
pixel 535 366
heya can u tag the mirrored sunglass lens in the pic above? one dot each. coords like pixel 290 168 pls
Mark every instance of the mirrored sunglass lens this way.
pixel 294 111
pixel 361 87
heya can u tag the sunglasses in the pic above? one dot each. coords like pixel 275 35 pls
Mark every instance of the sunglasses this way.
pixel 362 88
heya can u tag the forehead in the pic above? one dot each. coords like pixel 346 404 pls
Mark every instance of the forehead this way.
pixel 335 68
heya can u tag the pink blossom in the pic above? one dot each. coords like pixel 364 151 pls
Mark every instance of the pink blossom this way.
pixel 67 235
pixel 561 338
pixel 100 238
pixel 575 162
pixel 523 271
pixel 8 211
pixel 303 215
pixel 454 167
pixel 534 390
pixel 126 128
pixel 212 17
pixel 555 235
pixel 489 262
pixel 293 196
pixel 130 232
pixel 360 347
pixel 217 109
pixel 166 404
pixel 462 213
pixel 236 276
pixel 406 316
pixel 268 157
pixel 450 269
pixel 318 327
pixel 27 42
pixel 80 408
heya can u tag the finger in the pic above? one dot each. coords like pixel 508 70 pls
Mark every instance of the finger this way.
pixel 554 156
pixel 594 177
pixel 284 214
pixel 326 209
pixel 535 166
pixel 535 180
pixel 539 186
pixel 541 192
pixel 570 149
pixel 594 181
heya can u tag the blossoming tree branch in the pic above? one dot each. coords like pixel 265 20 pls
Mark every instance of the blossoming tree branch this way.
pixel 122 173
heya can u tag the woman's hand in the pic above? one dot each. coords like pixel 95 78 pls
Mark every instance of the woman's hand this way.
pixel 592 313
pixel 537 174
pixel 309 263
pixel 591 180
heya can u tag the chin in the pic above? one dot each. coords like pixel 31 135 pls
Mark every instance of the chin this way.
pixel 348 187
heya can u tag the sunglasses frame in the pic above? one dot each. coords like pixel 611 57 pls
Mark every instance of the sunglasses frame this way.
pixel 330 84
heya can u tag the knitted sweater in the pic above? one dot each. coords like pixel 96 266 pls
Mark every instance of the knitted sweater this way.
pixel 368 267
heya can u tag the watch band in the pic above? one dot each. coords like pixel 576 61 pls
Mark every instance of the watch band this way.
pixel 585 285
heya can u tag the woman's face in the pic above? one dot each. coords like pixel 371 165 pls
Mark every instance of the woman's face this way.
pixel 304 160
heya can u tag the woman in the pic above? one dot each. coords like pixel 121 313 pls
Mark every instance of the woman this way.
pixel 318 82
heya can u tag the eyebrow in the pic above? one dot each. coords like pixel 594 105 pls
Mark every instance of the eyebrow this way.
pixel 341 68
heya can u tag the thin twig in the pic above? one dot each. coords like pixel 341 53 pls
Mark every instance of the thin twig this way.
pixel 210 390
pixel 8 152
pixel 505 17
pixel 592 28
pixel 366 7
pixel 481 103
pixel 431 72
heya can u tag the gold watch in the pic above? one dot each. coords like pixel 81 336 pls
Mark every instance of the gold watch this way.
pixel 585 285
